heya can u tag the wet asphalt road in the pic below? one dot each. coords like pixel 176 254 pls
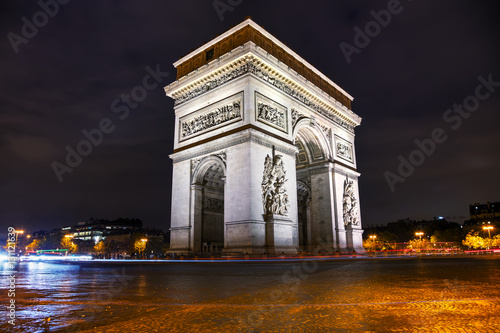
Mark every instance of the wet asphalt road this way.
pixel 425 294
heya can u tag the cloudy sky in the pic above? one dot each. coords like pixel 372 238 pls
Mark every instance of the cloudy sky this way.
pixel 62 77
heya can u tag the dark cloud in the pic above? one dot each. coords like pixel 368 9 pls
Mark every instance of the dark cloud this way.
pixel 64 81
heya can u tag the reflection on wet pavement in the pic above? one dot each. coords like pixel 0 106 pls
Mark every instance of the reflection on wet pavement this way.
pixel 378 295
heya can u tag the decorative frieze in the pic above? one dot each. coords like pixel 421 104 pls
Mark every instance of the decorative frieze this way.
pixel 217 115
pixel 271 113
pixel 251 67
pixel 274 193
pixel 350 204
pixel 343 149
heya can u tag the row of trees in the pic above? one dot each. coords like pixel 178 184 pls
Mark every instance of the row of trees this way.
pixel 474 241
pixel 388 241
pixel 432 234
pixel 136 243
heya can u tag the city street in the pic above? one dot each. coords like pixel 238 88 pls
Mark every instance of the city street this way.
pixel 424 294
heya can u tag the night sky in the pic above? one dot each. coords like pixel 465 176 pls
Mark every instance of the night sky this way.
pixel 64 78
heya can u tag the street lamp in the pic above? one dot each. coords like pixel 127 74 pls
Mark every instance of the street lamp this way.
pixel 372 238
pixel 489 228
pixel 144 240
pixel 17 234
pixel 419 234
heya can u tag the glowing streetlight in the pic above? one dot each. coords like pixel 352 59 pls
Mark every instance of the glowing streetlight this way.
pixel 69 236
pixel 489 228
pixel 18 232
pixel 419 234
pixel 144 240
pixel 372 237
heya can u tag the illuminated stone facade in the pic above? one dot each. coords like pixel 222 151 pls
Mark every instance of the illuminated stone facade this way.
pixel 264 158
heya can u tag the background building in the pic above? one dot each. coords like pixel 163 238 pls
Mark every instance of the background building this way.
pixel 487 211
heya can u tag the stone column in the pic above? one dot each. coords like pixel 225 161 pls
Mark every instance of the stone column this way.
pixel 278 234
pixel 348 236
pixel 355 240
pixel 196 217
pixel 322 214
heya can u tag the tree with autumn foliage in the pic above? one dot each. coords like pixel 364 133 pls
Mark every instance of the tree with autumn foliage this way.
pixel 100 248
pixel 67 243
pixel 36 244
pixel 474 241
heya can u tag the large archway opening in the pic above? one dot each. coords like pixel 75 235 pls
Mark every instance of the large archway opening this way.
pixel 212 219
pixel 313 150
pixel 207 205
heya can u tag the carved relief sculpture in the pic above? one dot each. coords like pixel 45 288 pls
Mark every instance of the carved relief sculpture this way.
pixel 350 204
pixel 271 113
pixel 214 204
pixel 210 119
pixel 344 150
pixel 274 194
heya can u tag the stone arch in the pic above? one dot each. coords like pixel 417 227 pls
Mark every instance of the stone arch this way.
pixel 207 204
pixel 314 154
pixel 204 165
pixel 307 131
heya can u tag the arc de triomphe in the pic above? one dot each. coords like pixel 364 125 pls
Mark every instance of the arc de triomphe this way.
pixel 264 158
